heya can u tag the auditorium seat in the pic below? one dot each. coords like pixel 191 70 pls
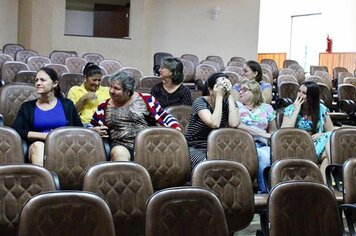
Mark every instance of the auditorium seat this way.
pixel 25 76
pixel 191 57
pixel 36 62
pixel 202 73
pixel 182 114
pixel 217 59
pixel 288 62
pixel 23 55
pixel 59 57
pixel 188 70
pixel 12 48
pixel 75 64
pixel 273 64
pixel 299 72
pixel 68 80
pixel 110 65
pixel 134 72
pixel 95 58
pixel 59 68
pixel 10 146
pixel 10 68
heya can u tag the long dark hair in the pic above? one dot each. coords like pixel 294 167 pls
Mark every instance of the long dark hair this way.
pixel 54 77
pixel 91 69
pixel 255 67
pixel 313 103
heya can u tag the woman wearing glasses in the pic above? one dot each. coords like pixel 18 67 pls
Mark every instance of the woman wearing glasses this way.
pixel 258 118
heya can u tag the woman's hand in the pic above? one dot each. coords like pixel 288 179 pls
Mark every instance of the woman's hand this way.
pixel 102 131
pixel 316 136
pixel 298 103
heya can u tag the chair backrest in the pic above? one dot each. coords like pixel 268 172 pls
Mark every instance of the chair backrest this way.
pixel 10 146
pixel 299 70
pixel 238 59
pixel 164 153
pixel 234 77
pixel 71 53
pixel 18 183
pixel 11 98
pixel 105 79
pixel 303 208
pixel 188 70
pixel 59 68
pixel 337 70
pixel 215 64
pixel 286 78
pixel 288 90
pixel 342 144
pixel 314 78
pixel 70 151
pixel 68 80
pixel 147 82
pixel 75 64
pixel 4 58
pixel 12 48
pixel 287 71
pixel 134 72
pixel 346 91
pixel 236 63
pixel 191 57
pixel 36 62
pixel 10 68
pixel 95 58
pixel 236 69
pixel 235 145
pixel 23 55
pixel 66 213
pixel 59 57
pixel 295 169
pixel 288 62
pixel 217 59
pixel 326 95
pixel 185 211
pixel 231 182
pixel 325 78
pixel 342 75
pixel 125 186
pixel 292 143
pixel 110 65
pixel 203 71
pixel 25 76
pixel 349 180
pixel 316 68
pixel 268 73
pixel 182 114
pixel 273 64
pixel 350 80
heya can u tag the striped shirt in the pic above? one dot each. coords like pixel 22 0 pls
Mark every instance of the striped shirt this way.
pixel 181 96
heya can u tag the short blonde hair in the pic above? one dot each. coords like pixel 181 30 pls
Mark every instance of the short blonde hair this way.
pixel 257 97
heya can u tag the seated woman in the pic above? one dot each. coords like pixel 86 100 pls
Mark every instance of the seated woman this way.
pixel 38 117
pixel 125 114
pixel 215 109
pixel 253 71
pixel 171 91
pixel 258 118
pixel 90 94
pixel 308 113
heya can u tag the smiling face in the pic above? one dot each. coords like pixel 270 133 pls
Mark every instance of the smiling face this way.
pixel 43 83
pixel 117 93
pixel 92 83
pixel 245 94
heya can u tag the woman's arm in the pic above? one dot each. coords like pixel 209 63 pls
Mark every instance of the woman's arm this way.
pixel 267 95
pixel 36 136
pixel 234 113
pixel 289 122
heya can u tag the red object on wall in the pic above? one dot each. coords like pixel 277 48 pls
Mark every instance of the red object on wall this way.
pixel 329 43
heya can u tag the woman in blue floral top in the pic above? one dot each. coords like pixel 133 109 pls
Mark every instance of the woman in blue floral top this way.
pixel 309 114
pixel 258 118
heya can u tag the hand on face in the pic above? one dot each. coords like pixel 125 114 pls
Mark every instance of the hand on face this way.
pixel 222 86
pixel 298 102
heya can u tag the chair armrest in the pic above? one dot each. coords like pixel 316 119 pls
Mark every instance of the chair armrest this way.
pixel 266 176
pixel 55 180
pixel 349 210
pixel 283 102
pixel 334 172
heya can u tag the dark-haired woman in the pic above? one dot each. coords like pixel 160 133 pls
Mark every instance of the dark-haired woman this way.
pixel 90 94
pixel 171 91
pixel 309 114
pixel 38 117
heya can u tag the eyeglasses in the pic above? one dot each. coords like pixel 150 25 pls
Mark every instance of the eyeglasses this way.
pixel 243 89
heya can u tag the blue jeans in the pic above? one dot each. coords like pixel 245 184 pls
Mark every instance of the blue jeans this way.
pixel 264 160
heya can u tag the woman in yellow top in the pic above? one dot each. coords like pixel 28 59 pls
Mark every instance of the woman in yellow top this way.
pixel 90 94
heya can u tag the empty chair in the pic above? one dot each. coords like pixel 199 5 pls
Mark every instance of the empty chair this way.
pixel 273 64
pixel 105 80
pixel 11 98
pixel 303 208
pixel 317 68
pixel 10 68
pixel 182 114
pixel 59 57
pixel 25 76
pixel 202 73
pixel 134 72
pixel 23 55
pixel 286 78
pixel 342 145
pixel 95 58
pixel 66 213
pixel 191 57
pixel 215 64
pixel 18 183
pixel 342 75
pixel 347 98
pixel 217 59
pixel 10 146
pixel 12 48
pixel 350 80
pixel 288 62
pixel 68 80
pixel 337 70
pixel 111 66
pixel 36 62
pixel 287 71
pixel 185 211
pixel 71 53
pixel 325 78
pixel 125 186
pixel 268 73
pixel 164 153
pixel 234 77
pixel 188 70
pixel 147 82
pixel 75 64
pixel 59 68
pixel 4 58
pixel 300 74
pixel 288 90
pixel 236 63
pixel 314 78
pixel 70 151
pixel 236 69
pixel 157 60
pixel 238 59
pixel 231 182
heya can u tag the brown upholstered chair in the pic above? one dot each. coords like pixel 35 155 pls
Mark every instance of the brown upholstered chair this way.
pixel 68 80
pixel 188 70
pixel 286 78
pixel 4 58
pixel 18 183
pixel 70 52
pixel 237 64
pixel 347 98
pixel 292 143
pixel 342 145
pixel 299 71
pixel 191 57
pixel 350 80
pixel 268 73
pixel 337 70
pixel 10 68
pixel 231 182
pixel 234 77
pixel 59 68
pixel 288 62
pixel 147 82
pixel 349 191
pixel 105 80
pixel 235 145
pixel 110 65
pixel 164 153
pixel 66 213
pixel 95 58
pixel 239 59
pixel 236 69
pixel 10 146
pixel 288 90
pixel 182 114
pixel 125 186
pixel 36 62
pixel 316 68
pixel 59 57
pixel 75 64
pixel 25 76
pixel 287 71
pixel 215 64
pixel 11 98
pixel 325 78
pixel 23 55
pixel 217 59
pixel 12 48
pixel 134 72
pixel 70 151
pixel 273 64
pixel 185 211
pixel 303 208
pixel 202 73
pixel 314 78
pixel 342 75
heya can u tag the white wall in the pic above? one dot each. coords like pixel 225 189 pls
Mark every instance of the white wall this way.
pixel 338 19
pixel 79 22
pixel 8 21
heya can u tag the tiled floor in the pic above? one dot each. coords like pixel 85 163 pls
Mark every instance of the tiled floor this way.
pixel 251 229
